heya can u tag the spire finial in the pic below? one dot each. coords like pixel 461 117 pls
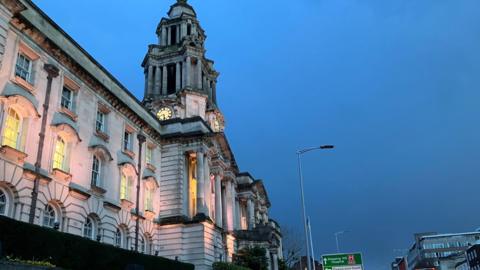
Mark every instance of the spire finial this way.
pixel 182 1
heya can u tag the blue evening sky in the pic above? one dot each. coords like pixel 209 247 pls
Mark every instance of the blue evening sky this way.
pixel 395 85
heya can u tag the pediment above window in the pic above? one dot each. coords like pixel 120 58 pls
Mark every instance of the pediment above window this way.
pixel 125 160
pixel 24 101
pixel 96 145
pixel 65 125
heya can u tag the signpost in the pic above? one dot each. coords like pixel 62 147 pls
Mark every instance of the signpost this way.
pixel 351 261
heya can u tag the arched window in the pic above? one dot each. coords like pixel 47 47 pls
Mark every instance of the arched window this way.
pixel 49 216
pixel 96 171
pixel 89 228
pixel 3 203
pixel 59 160
pixel 11 135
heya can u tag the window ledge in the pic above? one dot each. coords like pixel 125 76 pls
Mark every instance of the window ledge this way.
pixel 65 176
pixel 129 153
pixel 102 135
pixel 69 113
pixel 151 167
pixel 23 83
pixel 126 203
pixel 98 190
pixel 13 154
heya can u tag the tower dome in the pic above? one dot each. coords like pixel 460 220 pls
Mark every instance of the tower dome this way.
pixel 179 8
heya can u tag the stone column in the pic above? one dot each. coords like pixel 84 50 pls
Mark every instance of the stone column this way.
pixel 199 74
pixel 188 72
pixel 158 82
pixel 164 81
pixel 200 183
pixel 184 30
pixel 208 188
pixel 269 259
pixel 214 92
pixel 234 206
pixel 275 261
pixel 177 83
pixel 169 35
pixel 229 204
pixel 251 213
pixel 218 201
pixel 238 214
pixel 164 36
pixel 150 80
pixel 224 207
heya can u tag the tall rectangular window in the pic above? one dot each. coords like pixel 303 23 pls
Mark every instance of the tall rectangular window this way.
pixel 149 155
pixel 127 141
pixel 67 99
pixel 23 68
pixel 126 184
pixel 149 199
pixel 192 176
pixel 96 172
pixel 11 134
pixel 100 122
pixel 59 154
pixel 173 35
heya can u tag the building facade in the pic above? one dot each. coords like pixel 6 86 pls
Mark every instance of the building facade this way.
pixel 440 251
pixel 79 153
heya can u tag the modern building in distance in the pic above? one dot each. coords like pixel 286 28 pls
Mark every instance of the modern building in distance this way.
pixel 440 251
pixel 80 153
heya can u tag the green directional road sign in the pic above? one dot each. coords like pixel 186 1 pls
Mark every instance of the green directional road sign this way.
pixel 343 262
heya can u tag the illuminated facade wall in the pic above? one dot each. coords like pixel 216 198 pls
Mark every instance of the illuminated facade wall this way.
pixel 84 166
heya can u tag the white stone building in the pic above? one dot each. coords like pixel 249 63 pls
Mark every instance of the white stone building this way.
pixel 72 155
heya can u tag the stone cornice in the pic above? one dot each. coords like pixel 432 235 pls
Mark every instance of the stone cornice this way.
pixel 23 25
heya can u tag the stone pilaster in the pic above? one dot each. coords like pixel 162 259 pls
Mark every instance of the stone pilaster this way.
pixel 158 82
pixel 188 72
pixel 150 80
pixel 201 209
pixel 199 73
pixel 177 79
pixel 251 214
pixel 218 200
pixel 164 81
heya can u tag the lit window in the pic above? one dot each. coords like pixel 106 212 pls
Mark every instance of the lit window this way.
pixel 127 141
pixel 67 99
pixel 49 216
pixel 88 228
pixel 59 155
pixel 192 175
pixel 125 187
pixel 12 129
pixel 3 203
pixel 149 199
pixel 96 172
pixel 118 238
pixel 23 68
pixel 100 122
pixel 149 155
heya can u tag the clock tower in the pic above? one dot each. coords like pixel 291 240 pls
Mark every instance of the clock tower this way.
pixel 180 82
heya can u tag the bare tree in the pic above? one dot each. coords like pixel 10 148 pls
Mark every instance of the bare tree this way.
pixel 292 245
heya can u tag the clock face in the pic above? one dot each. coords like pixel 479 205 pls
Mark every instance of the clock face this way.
pixel 164 113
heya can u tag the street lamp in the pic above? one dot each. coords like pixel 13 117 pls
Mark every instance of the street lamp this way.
pixel 299 154
pixel 336 239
